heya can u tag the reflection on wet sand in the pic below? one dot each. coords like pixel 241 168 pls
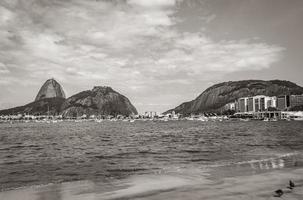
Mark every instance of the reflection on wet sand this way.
pixel 152 187
pixel 44 193
pixel 192 183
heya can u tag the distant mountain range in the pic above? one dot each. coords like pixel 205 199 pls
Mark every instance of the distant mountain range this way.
pixel 105 101
pixel 217 96
pixel 98 101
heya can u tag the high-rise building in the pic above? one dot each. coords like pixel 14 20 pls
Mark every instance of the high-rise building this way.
pixel 271 102
pixel 257 107
pixel 255 104
pixel 242 105
pixel 283 102
pixel 262 104
pixel 250 104
pixel 296 100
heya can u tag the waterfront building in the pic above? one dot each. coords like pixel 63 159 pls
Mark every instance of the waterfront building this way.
pixel 271 102
pixel 262 104
pixel 230 106
pixel 283 102
pixel 242 105
pixel 296 100
pixel 286 101
pixel 150 114
pixel 255 104
pixel 250 104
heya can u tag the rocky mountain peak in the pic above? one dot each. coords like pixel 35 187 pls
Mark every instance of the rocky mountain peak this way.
pixel 51 88
pixel 102 89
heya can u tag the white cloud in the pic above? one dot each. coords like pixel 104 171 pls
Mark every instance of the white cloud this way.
pixel 5 16
pixel 3 69
pixel 153 3
pixel 203 54
pixel 134 46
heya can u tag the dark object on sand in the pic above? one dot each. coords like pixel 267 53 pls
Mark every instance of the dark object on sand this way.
pixel 278 193
pixel 291 185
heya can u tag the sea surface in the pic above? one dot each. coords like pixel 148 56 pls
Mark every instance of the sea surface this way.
pixel 141 159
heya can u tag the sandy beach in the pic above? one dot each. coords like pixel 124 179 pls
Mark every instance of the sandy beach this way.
pixel 152 187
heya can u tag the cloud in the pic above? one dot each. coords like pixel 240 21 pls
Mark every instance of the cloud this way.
pixel 3 69
pixel 152 4
pixel 204 54
pixel 134 45
pixel 5 16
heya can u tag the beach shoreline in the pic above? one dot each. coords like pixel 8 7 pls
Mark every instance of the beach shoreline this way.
pixel 257 187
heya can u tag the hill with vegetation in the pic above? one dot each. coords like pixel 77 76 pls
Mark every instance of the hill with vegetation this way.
pixel 98 101
pixel 217 96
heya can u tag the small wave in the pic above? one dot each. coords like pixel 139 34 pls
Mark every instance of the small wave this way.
pixel 268 159
pixel 143 186
pixel 149 152
pixel 277 162
pixel 192 151
pixel 100 156
pixel 18 147
pixel 67 174
pixel 200 160
pixel 13 162
pixel 128 170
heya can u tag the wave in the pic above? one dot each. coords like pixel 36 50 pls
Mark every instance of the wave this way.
pixel 279 161
pixel 148 185
pixel 269 159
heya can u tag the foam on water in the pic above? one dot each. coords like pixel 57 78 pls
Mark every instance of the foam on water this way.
pixel 141 186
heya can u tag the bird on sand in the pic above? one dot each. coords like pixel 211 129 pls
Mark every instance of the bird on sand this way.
pixel 291 184
pixel 278 193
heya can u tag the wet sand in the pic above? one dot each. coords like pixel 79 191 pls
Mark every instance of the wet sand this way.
pixel 152 187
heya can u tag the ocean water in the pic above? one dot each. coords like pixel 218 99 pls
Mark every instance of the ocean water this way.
pixel 130 157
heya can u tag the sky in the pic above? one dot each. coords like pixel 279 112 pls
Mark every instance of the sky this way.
pixel 158 53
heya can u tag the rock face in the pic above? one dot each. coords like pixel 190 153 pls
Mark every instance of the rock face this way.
pixel 98 101
pixel 215 97
pixel 50 89
pixel 50 106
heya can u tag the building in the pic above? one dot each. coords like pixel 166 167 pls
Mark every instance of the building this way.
pixel 283 102
pixel 287 101
pixel 250 104
pixel 230 106
pixel 242 105
pixel 271 102
pixel 262 103
pixel 256 104
pixel 150 114
pixel 296 100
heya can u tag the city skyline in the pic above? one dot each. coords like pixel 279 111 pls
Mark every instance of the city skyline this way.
pixel 157 53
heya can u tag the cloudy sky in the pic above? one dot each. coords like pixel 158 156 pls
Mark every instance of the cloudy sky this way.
pixel 158 53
